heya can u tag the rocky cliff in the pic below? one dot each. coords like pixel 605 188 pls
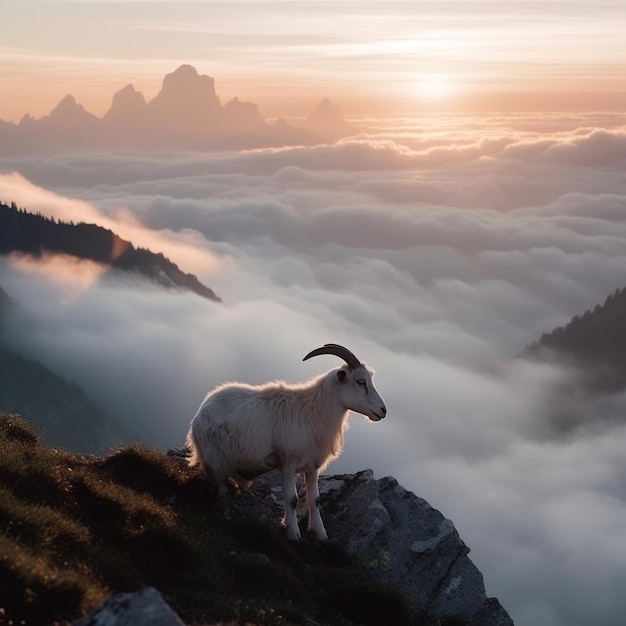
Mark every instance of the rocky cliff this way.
pixel 78 530
pixel 393 535
pixel 396 536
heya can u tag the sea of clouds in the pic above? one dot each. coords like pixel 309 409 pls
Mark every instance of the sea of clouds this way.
pixel 436 250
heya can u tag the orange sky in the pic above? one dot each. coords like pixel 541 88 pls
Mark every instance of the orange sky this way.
pixel 286 55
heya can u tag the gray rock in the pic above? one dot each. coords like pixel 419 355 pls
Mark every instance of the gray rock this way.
pixel 398 537
pixel 406 543
pixel 144 607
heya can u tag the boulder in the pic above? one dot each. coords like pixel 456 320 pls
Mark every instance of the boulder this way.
pixel 144 607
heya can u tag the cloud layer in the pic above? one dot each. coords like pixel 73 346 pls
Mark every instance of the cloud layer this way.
pixel 437 253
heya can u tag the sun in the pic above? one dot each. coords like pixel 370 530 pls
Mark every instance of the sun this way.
pixel 434 86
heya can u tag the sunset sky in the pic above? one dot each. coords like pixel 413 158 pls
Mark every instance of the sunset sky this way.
pixel 367 56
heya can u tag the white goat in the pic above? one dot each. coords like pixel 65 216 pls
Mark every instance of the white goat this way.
pixel 241 431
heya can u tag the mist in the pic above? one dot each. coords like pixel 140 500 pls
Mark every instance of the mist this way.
pixel 436 253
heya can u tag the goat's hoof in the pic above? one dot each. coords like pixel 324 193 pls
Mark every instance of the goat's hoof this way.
pixel 320 536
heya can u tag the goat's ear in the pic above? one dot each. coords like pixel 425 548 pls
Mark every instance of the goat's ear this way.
pixel 341 376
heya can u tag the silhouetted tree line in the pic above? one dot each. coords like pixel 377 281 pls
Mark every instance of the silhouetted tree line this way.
pixel 596 339
pixel 36 234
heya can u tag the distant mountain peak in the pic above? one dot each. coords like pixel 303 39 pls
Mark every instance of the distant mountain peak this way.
pixel 129 92
pixel 68 105
pixel 69 112
pixel 327 111
pixel 184 71
pixel 27 120
pixel 186 113
pixel 127 104
pixel 328 121
pixel 243 115
pixel 184 89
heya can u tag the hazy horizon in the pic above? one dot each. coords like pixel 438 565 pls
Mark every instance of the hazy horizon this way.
pixel 369 58
pixel 298 106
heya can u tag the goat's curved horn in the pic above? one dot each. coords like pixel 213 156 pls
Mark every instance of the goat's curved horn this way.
pixel 337 350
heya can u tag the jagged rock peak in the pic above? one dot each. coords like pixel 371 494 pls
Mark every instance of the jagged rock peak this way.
pixel 128 95
pixel 127 102
pixel 68 113
pixel 327 120
pixel 185 83
pixel 327 112
pixel 67 105
pixel 27 120
pixel 243 115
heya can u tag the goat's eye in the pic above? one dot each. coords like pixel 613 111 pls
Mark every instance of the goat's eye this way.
pixel 361 382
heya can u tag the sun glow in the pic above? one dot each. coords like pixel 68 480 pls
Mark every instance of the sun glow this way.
pixel 434 86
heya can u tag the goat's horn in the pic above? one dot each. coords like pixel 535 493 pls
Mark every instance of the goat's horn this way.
pixel 337 350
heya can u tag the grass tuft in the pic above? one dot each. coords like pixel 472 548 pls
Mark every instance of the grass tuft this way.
pixel 145 469
pixel 14 428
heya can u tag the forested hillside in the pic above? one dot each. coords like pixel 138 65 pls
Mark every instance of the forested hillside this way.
pixel 594 341
pixel 34 234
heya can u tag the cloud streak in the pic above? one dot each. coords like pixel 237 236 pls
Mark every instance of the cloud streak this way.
pixel 436 254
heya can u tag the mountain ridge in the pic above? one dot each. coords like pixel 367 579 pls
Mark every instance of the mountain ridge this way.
pixel 186 114
pixel 33 234
pixel 60 409
pixel 593 342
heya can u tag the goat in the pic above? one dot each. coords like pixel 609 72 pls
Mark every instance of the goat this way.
pixel 241 431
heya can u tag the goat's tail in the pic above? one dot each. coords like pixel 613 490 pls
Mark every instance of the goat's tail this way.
pixel 194 456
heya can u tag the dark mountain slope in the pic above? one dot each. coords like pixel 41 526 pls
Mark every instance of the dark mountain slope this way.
pixel 62 412
pixel 35 235
pixel 595 342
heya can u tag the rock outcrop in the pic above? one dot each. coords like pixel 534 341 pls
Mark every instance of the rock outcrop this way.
pixel 406 543
pixel 398 537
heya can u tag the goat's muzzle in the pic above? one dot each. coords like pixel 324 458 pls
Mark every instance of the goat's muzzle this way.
pixel 376 416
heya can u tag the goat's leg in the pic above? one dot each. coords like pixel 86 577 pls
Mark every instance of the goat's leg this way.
pixel 288 475
pixel 313 500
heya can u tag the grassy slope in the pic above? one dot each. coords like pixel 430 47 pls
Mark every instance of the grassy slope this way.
pixel 75 529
